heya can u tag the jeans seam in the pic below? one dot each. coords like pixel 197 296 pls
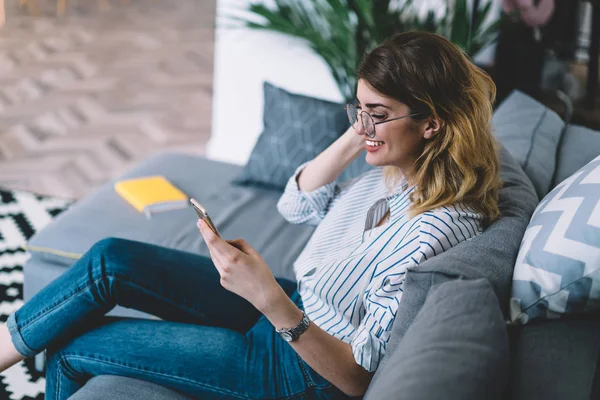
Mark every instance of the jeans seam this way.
pixel 59 365
pixel 60 302
pixel 307 378
pixel 214 388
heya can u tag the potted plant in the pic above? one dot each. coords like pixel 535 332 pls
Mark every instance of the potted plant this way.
pixel 341 31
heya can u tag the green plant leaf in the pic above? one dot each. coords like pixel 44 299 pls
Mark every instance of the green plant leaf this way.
pixel 482 14
pixel 341 31
pixel 459 33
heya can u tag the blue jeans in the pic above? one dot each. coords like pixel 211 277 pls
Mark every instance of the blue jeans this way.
pixel 211 344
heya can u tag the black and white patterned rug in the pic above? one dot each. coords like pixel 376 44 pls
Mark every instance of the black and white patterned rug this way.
pixel 21 215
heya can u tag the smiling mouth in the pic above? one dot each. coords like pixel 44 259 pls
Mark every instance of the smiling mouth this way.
pixel 374 143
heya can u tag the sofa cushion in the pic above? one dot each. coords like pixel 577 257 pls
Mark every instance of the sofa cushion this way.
pixel 296 129
pixel 114 387
pixel 579 146
pixel 457 348
pixel 237 212
pixel 531 132
pixel 555 360
pixel 558 266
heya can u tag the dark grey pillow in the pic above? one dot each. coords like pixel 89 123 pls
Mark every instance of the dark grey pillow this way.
pixel 457 348
pixel 580 145
pixel 296 129
pixel 531 132
pixel 556 359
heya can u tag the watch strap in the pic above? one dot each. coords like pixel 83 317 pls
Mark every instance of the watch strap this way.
pixel 296 330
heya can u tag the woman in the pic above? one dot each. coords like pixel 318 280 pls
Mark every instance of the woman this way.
pixel 423 115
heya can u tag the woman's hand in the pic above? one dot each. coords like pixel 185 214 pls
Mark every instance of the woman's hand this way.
pixel 242 269
pixel 355 140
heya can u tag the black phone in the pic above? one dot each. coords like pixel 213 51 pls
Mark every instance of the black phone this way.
pixel 202 213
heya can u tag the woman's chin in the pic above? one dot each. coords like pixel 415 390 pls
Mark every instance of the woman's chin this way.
pixel 374 160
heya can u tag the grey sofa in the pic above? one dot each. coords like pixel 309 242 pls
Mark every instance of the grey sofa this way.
pixel 542 360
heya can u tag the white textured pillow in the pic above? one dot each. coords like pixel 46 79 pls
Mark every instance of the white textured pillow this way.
pixel 558 266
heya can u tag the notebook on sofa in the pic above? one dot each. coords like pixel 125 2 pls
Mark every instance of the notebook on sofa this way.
pixel 151 194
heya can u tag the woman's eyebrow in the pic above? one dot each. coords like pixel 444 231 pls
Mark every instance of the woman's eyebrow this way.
pixel 373 105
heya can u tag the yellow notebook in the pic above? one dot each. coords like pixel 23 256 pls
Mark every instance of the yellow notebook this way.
pixel 151 194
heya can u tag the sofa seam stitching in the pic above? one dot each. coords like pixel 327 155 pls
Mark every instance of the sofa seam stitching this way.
pixel 533 137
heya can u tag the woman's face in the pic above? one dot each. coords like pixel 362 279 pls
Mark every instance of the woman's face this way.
pixel 398 143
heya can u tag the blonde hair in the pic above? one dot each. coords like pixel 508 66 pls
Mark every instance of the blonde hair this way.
pixel 433 77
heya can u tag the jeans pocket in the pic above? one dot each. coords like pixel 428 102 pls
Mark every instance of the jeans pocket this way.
pixel 311 377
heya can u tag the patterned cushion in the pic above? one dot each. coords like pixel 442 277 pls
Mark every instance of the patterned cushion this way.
pixel 558 265
pixel 296 129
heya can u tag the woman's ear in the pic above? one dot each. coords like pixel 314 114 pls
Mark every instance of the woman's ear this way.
pixel 432 127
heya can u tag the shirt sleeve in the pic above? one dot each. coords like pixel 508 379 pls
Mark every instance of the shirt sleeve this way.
pixel 430 234
pixel 382 298
pixel 298 206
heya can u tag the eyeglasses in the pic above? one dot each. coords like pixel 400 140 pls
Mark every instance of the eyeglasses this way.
pixel 367 121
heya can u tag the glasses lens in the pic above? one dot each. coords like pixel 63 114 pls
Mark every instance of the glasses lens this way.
pixel 368 124
pixel 351 111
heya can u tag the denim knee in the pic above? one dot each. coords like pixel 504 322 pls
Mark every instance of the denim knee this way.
pixel 101 262
pixel 106 248
pixel 107 245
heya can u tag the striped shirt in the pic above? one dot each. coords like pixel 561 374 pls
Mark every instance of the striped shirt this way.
pixel 350 273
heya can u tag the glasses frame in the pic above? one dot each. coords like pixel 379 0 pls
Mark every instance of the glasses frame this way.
pixel 350 107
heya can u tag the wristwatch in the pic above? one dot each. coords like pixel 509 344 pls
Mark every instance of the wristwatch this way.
pixel 291 334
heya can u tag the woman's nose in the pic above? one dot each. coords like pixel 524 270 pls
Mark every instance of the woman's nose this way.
pixel 359 128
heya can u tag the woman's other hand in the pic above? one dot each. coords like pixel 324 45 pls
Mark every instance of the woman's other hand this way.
pixel 243 271
pixel 355 139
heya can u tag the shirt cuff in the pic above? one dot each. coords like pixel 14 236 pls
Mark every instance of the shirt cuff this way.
pixel 368 349
pixel 318 198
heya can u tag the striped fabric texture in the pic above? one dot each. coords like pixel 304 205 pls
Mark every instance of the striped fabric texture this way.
pixel 351 272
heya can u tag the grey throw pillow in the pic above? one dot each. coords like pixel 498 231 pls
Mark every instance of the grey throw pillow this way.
pixel 531 132
pixel 297 128
pixel 580 145
pixel 457 348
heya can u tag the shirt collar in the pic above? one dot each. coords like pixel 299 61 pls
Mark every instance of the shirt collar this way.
pixel 400 188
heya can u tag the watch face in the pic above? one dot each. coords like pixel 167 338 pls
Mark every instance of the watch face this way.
pixel 287 336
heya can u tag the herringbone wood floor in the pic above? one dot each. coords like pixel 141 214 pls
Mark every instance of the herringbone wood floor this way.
pixel 85 96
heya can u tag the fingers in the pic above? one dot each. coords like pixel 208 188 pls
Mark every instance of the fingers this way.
pixel 217 246
pixel 242 245
pixel 235 244
pixel 211 238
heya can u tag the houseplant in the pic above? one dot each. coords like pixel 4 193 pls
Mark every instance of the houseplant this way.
pixel 341 31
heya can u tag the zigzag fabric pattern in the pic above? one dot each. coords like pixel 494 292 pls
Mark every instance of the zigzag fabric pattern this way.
pixel 558 266
pixel 21 215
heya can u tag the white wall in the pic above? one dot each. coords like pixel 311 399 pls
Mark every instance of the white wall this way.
pixel 244 59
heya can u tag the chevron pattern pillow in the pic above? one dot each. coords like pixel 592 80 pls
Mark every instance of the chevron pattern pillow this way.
pixel 558 266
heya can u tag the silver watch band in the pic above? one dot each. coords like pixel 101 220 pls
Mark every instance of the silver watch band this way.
pixel 291 334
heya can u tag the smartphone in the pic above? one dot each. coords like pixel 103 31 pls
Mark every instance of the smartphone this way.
pixel 202 213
